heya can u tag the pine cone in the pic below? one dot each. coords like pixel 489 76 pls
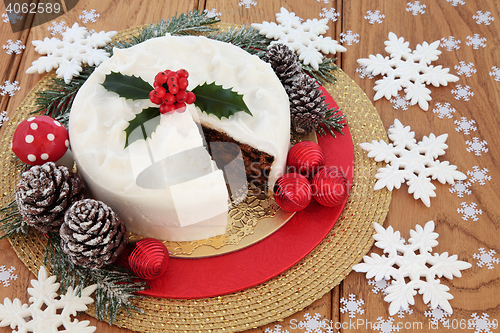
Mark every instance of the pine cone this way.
pixel 307 105
pixel 92 235
pixel 45 192
pixel 284 63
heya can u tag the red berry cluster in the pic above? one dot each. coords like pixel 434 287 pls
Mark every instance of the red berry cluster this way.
pixel 170 91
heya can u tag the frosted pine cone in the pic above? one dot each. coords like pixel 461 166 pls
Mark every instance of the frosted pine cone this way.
pixel 307 105
pixel 284 63
pixel 92 235
pixel 45 192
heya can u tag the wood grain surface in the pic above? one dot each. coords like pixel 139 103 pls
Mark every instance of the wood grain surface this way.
pixel 478 290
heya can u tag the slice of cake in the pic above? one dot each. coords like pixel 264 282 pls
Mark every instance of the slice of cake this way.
pixel 174 185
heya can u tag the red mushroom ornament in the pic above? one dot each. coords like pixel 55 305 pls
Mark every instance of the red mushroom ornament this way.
pixel 40 139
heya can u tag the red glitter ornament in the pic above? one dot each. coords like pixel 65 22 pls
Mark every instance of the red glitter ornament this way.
pixel 292 192
pixel 149 258
pixel 306 158
pixel 330 187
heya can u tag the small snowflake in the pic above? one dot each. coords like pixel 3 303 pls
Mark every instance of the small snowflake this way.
pixel 415 8
pixel 349 37
pixel 476 146
pixel 313 324
pixel 385 326
pixel 400 102
pixel 464 125
pixel 402 312
pixel 14 47
pixel 456 2
pixel 247 3
pixel 462 92
pixel 6 275
pixel 437 315
pixel 374 17
pixel 324 1
pixel 89 16
pixel 379 285
pixel 212 13
pixel 481 324
pixel 476 41
pixel 460 188
pixel 9 88
pixel 469 211
pixel 12 17
pixel 485 18
pixel 486 258
pixel 478 175
pixel 450 43
pixel 364 73
pixel 57 28
pixel 495 72
pixel 3 118
pixel 465 69
pixel 352 306
pixel 445 110
pixel 329 14
pixel 277 329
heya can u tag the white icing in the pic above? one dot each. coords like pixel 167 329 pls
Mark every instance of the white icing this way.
pixel 194 204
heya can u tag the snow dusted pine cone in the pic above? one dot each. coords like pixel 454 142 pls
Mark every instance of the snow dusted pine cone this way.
pixel 284 63
pixel 92 235
pixel 45 192
pixel 307 105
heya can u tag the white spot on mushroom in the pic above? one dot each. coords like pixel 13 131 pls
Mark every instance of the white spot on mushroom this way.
pixel 31 158
pixel 66 143
pixel 44 156
pixel 57 123
pixel 31 118
pixel 29 138
pixel 50 137
pixel 34 126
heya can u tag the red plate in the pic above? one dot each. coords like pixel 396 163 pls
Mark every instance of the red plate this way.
pixel 253 265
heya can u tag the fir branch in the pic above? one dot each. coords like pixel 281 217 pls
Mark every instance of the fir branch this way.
pixel 333 120
pixel 323 74
pixel 12 223
pixel 246 38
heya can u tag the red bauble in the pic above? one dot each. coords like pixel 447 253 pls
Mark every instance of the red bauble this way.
pixel 149 258
pixel 292 192
pixel 330 187
pixel 306 158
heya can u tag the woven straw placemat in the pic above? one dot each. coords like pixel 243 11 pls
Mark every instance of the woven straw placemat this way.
pixel 320 271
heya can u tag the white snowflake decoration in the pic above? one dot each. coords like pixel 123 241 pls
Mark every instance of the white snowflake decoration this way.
pixel 408 70
pixel 444 110
pixel 6 275
pixel 13 47
pixel 212 13
pixel 462 92
pixel 486 258
pixel 89 16
pixel 329 14
pixel 483 18
pixel 349 37
pixel 460 188
pixel 469 211
pixel 495 72
pixel 415 262
pixel 450 43
pixel 385 326
pixel 277 329
pixel 47 311
pixel 57 28
pixel 324 1
pixel 247 3
pixel 415 7
pixel 437 315
pixel 379 285
pixel 476 146
pixel 411 162
pixel 9 88
pixel 403 312
pixel 313 324
pixel 12 17
pixel 464 125
pixel 399 102
pixel 481 324
pixel 456 2
pixel 305 38
pixel 478 175
pixel 3 118
pixel 352 305
pixel 476 41
pixel 77 47
pixel 465 69
pixel 364 73
pixel 374 17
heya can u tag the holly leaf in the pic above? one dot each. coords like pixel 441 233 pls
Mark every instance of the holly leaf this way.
pixel 130 87
pixel 214 99
pixel 142 125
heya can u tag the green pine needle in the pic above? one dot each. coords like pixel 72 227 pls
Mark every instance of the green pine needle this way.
pixel 324 73
pixel 12 223
pixel 333 120
pixel 246 38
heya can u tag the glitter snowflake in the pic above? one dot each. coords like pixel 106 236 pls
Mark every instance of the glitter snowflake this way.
pixel 352 305
pixel 329 14
pixel 3 118
pixel 456 2
pixel 464 125
pixel 486 258
pixel 469 211
pixel 408 70
pixel 212 13
pixel 48 311
pixel 495 72
pixel 460 188
pixel 450 43
pixel 12 17
pixel 276 329
pixel 374 17
pixel 349 37
pixel 13 47
pixel 247 3
pixel 385 326
pixel 412 261
pixel 476 41
pixel 57 28
pixel 462 92
pixel 313 324
pixel 402 312
pixel 399 102
pixel 77 47
pixel 6 275
pixel 483 18
pixel 9 88
pixel 411 162
pixel 481 324
pixel 305 38
pixel 444 110
pixel 415 7
pixel 479 175
pixel 476 146
pixel 89 16
pixel 465 69
pixel 436 316
pixel 379 286
pixel 364 73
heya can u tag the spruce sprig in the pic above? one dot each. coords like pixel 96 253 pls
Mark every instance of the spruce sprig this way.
pixel 324 73
pixel 333 120
pixel 247 38
pixel 12 223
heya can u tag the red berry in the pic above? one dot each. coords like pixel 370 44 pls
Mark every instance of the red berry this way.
pixel 191 97
pixel 183 73
pixel 173 74
pixel 183 83
pixel 173 88
pixel 169 98
pixel 181 96
pixel 180 107
pixel 161 78
pixel 154 99
pixel 166 108
pixel 160 92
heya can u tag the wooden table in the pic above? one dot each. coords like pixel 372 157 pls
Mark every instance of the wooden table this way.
pixel 478 289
